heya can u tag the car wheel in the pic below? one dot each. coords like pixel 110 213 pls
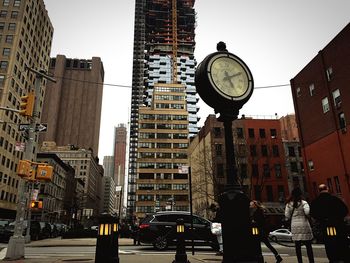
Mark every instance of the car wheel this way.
pixel 274 239
pixel 160 243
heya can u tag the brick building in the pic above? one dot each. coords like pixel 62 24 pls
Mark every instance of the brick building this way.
pixel 322 105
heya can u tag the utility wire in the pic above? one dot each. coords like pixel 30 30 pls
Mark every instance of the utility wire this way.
pixel 128 86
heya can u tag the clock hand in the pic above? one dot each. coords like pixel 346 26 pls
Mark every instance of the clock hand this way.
pixel 229 78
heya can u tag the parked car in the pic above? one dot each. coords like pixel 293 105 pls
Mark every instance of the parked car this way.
pixel 45 230
pixel 9 229
pixel 282 234
pixel 4 234
pixel 159 229
pixel 61 228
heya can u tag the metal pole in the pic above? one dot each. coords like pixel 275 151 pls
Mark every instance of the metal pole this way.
pixel 15 249
pixel 191 208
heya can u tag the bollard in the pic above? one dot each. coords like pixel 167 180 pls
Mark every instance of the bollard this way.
pixel 107 240
pixel 256 243
pixel 336 243
pixel 180 256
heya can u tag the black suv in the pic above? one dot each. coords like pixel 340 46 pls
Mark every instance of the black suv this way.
pixel 159 229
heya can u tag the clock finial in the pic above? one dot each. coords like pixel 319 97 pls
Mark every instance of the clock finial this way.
pixel 221 46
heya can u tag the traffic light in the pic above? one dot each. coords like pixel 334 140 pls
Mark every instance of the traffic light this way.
pixel 27 104
pixel 44 172
pixel 24 168
pixel 36 204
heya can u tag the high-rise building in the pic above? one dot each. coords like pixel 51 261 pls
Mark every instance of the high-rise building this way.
pixel 322 106
pixel 26 36
pixel 163 53
pixel 120 134
pixel 162 150
pixel 72 106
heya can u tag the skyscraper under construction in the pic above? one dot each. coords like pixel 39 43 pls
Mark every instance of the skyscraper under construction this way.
pixel 163 53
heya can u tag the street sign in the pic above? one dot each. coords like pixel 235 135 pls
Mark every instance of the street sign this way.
pixel 23 127
pixel 41 127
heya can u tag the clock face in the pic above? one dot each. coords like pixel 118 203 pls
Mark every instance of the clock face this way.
pixel 229 77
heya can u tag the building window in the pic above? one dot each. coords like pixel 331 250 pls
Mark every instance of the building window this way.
pixel 6 52
pixel 257 192
pixel 275 151
pixel 14 14
pixel 311 165
pixel 2 25
pixel 273 133
pixel 218 149
pixel 312 89
pixel 240 133
pixel 266 170
pixel 3 64
pixel 12 26
pixel 264 150
pixel 253 152
pixel 217 132
pixel 278 170
pixel 3 13
pixel 337 185
pixel 255 170
pixel 2 80
pixel 336 98
pixel 291 151
pixel 325 105
pixel 342 121
pixel 294 167
pixel 9 39
pixel 281 193
pixel 17 3
pixel 262 133
pixel 5 2
pixel 329 73
pixel 298 92
pixel 269 193
pixel 220 170
pixel 251 133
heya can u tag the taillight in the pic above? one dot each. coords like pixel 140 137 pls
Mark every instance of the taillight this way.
pixel 144 226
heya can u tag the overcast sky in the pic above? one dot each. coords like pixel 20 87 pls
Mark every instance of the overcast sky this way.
pixel 276 38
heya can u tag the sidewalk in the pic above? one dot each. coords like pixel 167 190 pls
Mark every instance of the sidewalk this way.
pixel 129 257
pixel 151 259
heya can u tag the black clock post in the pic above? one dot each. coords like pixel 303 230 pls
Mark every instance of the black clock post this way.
pixel 225 83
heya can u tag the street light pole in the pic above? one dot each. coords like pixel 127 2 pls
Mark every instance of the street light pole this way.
pixel 15 249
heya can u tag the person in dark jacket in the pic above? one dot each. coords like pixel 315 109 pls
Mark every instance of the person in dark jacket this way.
pixel 330 211
pixel 258 217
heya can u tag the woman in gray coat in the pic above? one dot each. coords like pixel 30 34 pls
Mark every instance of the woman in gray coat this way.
pixel 298 210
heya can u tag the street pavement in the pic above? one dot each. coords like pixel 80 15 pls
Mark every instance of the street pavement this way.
pixel 127 256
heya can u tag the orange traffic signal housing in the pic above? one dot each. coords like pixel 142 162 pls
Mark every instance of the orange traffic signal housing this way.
pixel 44 172
pixel 24 168
pixel 36 204
pixel 27 105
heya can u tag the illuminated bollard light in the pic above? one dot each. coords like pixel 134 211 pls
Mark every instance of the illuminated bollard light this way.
pixel 107 240
pixel 180 256
pixel 336 243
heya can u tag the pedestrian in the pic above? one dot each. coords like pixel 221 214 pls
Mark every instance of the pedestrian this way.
pixel 218 232
pixel 298 211
pixel 258 217
pixel 330 211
